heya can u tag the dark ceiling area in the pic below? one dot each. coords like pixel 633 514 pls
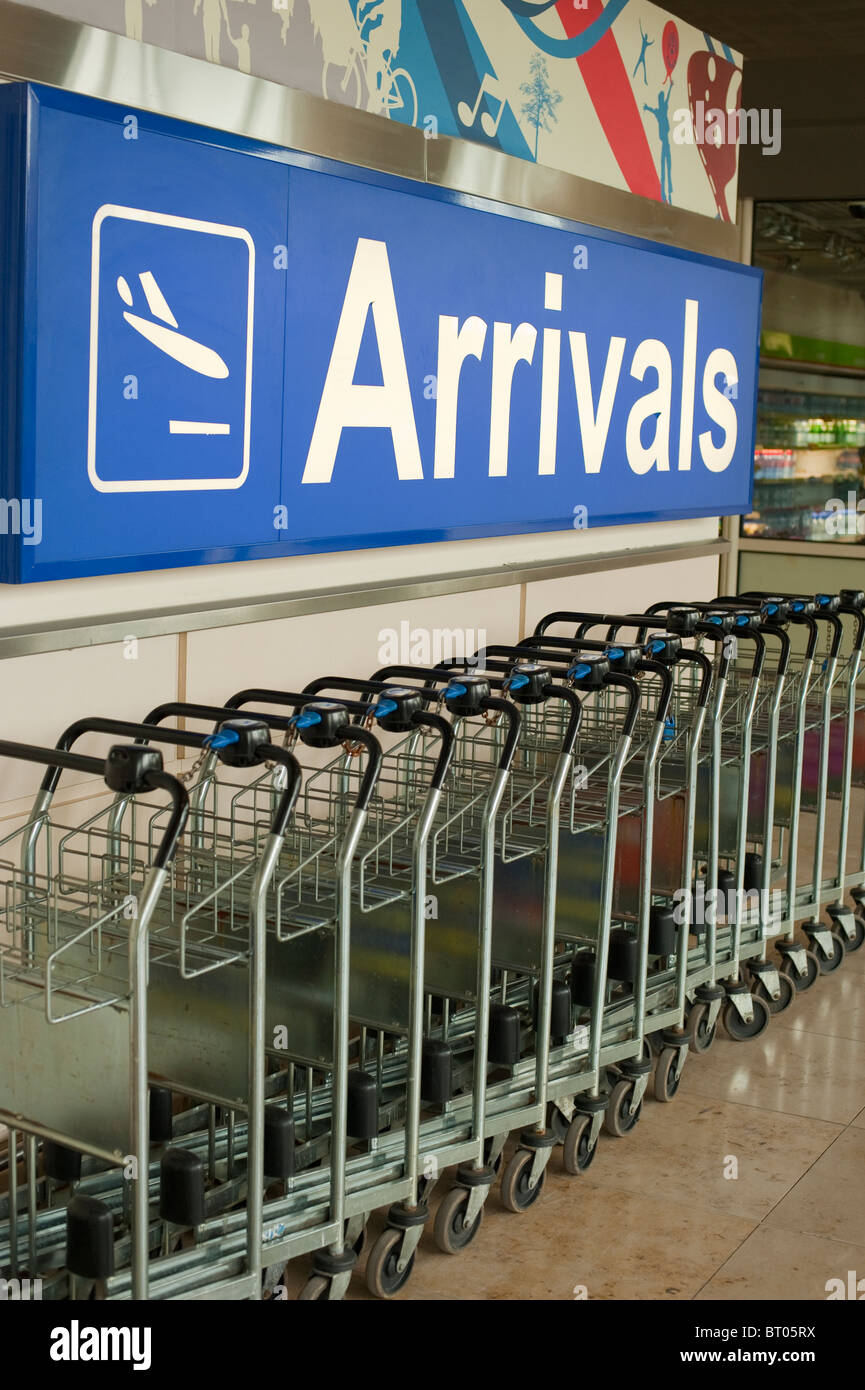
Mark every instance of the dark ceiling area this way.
pixel 774 30
pixel 806 60
pixel 817 240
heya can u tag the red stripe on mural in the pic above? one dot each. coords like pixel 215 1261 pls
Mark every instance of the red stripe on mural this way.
pixel 609 88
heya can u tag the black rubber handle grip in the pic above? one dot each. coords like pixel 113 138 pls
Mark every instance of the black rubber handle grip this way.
pixel 356 733
pixel 447 734
pixel 515 720
pixel 703 661
pixel 657 668
pixel 575 715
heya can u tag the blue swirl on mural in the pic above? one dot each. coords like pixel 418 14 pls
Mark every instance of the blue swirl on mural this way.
pixel 525 7
pixel 563 48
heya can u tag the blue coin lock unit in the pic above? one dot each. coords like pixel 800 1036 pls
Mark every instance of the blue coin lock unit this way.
pixel 214 349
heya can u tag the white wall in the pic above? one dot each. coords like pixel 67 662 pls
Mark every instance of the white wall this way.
pixel 41 694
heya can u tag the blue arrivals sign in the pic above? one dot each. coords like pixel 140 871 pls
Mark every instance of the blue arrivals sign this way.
pixel 216 350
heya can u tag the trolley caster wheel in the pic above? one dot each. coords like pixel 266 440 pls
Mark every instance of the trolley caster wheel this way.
pixel 515 1191
pixel 449 1232
pixel 315 1289
pixel 802 982
pixel 784 1000
pixel 557 1123
pixel 383 1277
pixel 828 964
pixel 497 1162
pixel 666 1081
pixel 859 938
pixel 736 1026
pixel 700 1034
pixel 619 1118
pixel 578 1153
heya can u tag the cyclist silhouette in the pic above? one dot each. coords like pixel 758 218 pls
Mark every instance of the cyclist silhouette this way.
pixel 379 23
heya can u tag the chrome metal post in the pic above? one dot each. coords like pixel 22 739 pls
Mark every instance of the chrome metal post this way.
pixel 138 1094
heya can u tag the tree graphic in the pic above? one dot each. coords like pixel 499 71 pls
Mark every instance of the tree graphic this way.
pixel 541 99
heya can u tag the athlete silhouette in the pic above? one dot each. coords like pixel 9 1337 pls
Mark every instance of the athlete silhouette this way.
pixel 661 113
pixel 641 61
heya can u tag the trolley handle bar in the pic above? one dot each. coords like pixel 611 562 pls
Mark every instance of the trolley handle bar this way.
pixel 831 618
pixel 562 692
pixel 564 615
pixel 515 720
pixel 214 714
pixel 291 790
pixel 856 613
pixel 442 673
pixel 356 733
pixel 612 621
pixel 286 697
pixel 270 752
pixel 810 623
pixel 176 821
pixel 347 733
pixel 549 691
pixel 100 725
pixel 374 686
pixel 633 688
pixel 51 757
pixel 705 664
pixel 657 668
pixel 445 730
pixel 142 733
pixel 57 760
pixel 734 601
pixel 564 657
pixel 760 652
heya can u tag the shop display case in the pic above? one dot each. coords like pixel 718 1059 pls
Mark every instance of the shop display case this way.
pixel 809 462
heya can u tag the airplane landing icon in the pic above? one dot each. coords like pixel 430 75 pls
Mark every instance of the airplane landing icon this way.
pixel 171 320
pixel 170 340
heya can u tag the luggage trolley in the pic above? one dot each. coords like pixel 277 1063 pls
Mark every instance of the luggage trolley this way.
pixel 619 739
pixel 538 783
pixel 853 776
pixel 704 995
pixel 748 784
pixel 201 925
pixel 848 726
pixel 452 949
pixel 651 874
pixel 314 1189
pixel 75 957
pixel 387 948
pixel 831 755
pixel 555 851
pixel 625 1003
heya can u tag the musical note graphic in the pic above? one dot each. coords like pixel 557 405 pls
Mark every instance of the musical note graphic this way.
pixel 491 87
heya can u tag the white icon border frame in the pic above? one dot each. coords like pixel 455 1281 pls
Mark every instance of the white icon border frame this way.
pixel 191 224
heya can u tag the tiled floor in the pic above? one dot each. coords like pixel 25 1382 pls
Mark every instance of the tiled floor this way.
pixel 659 1214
